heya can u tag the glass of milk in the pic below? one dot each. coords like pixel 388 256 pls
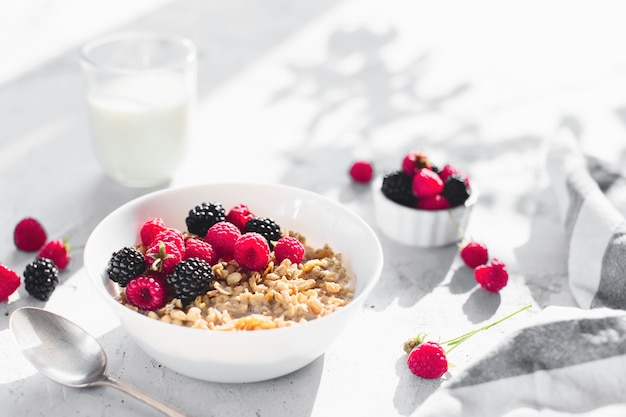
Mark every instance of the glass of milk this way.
pixel 141 95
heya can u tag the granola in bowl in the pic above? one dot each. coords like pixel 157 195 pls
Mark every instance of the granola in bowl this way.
pixel 253 276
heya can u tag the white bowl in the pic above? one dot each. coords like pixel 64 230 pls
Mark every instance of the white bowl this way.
pixel 421 228
pixel 243 356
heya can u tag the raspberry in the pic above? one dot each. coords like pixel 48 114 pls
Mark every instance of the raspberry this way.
pixel 362 171
pixel 191 278
pixel 397 187
pixel 455 190
pixel 162 257
pixel 150 229
pixel 29 235
pixel 239 216
pixel 171 235
pixel 493 276
pixel 266 227
pixel 449 170
pixel 222 236
pixel 41 278
pixel 290 248
pixel 252 251
pixel 197 248
pixel 426 183
pixel 146 292
pixel 203 216
pixel 414 161
pixel 428 360
pixel 435 202
pixel 9 283
pixel 58 251
pixel 125 264
pixel 474 254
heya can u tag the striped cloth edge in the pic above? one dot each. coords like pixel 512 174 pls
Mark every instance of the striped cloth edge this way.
pixel 569 361
pixel 595 229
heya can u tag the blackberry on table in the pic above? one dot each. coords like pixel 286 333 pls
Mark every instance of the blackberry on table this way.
pixel 41 278
pixel 398 187
pixel 191 278
pixel 266 227
pixel 203 216
pixel 455 190
pixel 125 264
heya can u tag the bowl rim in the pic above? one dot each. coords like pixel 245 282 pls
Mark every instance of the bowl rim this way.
pixel 97 279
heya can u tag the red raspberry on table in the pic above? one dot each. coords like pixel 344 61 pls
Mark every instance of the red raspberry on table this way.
pixel 414 161
pixel 146 292
pixel 426 183
pixel 29 235
pixel 428 360
pixel 170 235
pixel 162 257
pixel 239 216
pixel 252 251
pixel 222 236
pixel 493 276
pixel 197 248
pixel 474 254
pixel 150 229
pixel 9 283
pixel 362 171
pixel 435 202
pixel 449 170
pixel 290 248
pixel 58 251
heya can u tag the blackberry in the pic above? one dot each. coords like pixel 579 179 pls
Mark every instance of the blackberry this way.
pixel 191 278
pixel 398 187
pixel 41 278
pixel 126 264
pixel 455 190
pixel 266 227
pixel 203 216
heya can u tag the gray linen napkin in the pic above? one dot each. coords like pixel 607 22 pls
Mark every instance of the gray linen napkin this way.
pixel 569 361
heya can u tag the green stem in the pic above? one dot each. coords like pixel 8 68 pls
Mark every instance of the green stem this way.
pixel 457 225
pixel 460 339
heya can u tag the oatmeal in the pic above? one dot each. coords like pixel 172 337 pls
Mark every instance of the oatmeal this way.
pixel 282 294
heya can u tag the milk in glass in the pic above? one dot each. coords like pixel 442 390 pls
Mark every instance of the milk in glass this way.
pixel 141 126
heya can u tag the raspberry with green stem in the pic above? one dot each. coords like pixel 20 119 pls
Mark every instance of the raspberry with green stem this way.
pixel 162 257
pixel 428 359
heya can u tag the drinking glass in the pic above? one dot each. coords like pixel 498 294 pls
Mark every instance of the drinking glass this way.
pixel 141 96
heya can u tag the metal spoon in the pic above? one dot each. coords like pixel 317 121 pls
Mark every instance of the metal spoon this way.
pixel 67 354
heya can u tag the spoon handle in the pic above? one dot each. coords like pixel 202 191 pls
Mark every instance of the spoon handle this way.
pixel 159 405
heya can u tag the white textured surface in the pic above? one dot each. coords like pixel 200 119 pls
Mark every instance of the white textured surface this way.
pixel 292 92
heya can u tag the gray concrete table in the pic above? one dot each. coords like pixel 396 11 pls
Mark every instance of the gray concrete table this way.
pixel 292 93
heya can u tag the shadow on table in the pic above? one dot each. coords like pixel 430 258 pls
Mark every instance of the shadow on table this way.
pixel 543 257
pixel 293 394
pixel 412 391
pixel 416 271
pixel 371 81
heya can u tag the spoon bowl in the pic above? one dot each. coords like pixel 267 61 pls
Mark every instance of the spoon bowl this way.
pixel 51 344
pixel 64 352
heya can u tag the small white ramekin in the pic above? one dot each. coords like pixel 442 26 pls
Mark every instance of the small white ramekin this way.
pixel 422 228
